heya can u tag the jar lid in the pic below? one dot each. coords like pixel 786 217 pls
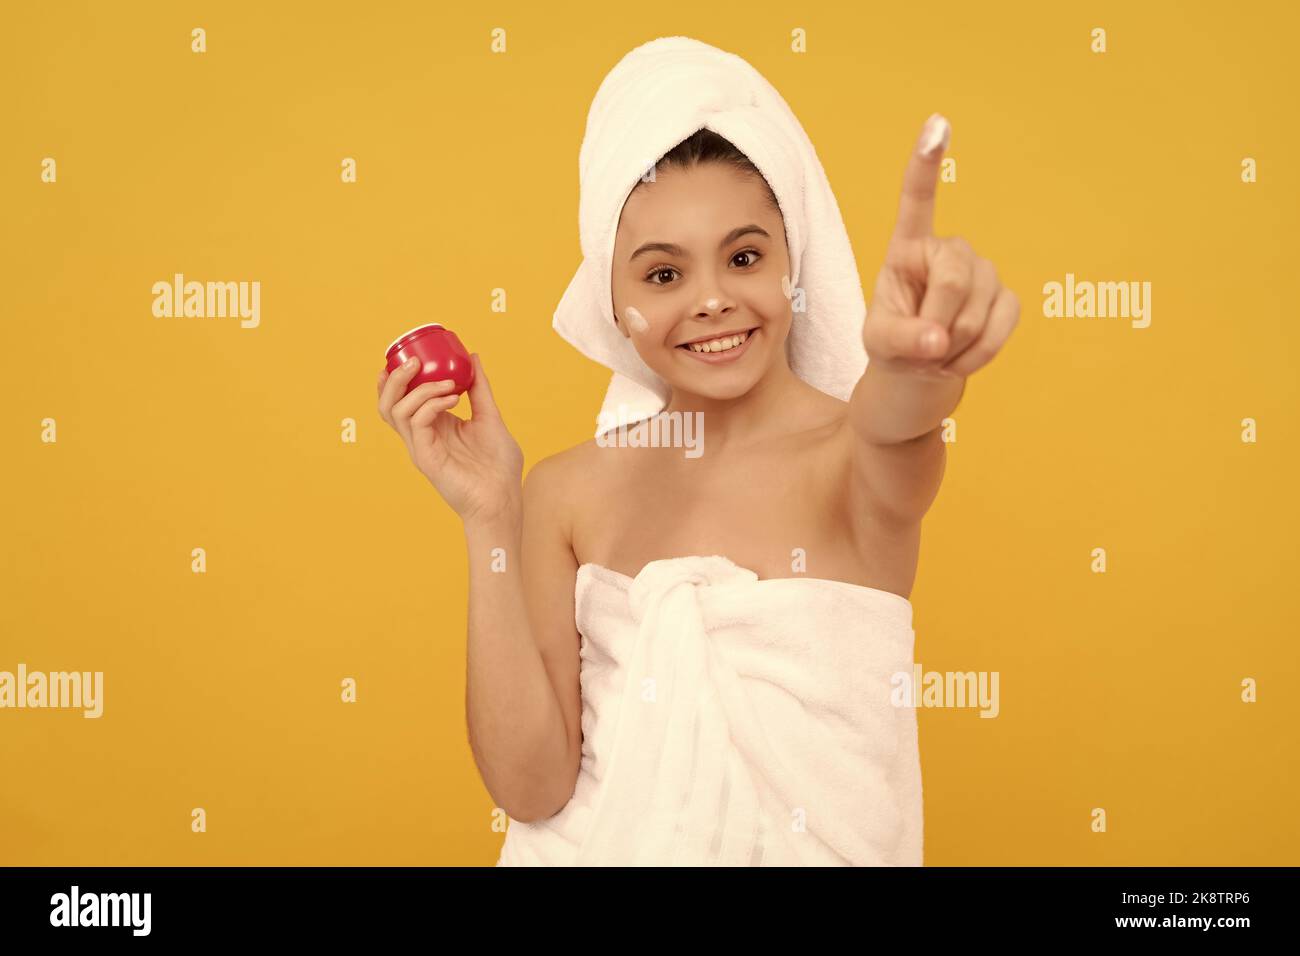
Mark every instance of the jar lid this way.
pixel 411 332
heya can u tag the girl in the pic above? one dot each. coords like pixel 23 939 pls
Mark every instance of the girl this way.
pixel 651 678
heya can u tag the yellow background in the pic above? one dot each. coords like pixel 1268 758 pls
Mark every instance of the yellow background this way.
pixel 328 560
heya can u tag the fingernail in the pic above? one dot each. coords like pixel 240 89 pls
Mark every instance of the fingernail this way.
pixel 935 135
pixel 409 362
pixel 930 340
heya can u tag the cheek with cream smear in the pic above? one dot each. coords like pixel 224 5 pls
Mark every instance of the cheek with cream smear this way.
pixel 635 320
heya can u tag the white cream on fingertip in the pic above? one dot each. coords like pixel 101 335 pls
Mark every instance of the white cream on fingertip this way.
pixel 935 136
pixel 635 320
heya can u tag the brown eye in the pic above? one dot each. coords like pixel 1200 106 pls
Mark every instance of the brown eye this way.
pixel 752 253
pixel 658 272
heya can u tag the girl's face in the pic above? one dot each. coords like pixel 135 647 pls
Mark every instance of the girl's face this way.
pixel 701 253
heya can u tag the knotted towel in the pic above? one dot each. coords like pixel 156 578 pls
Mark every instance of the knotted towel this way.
pixel 734 721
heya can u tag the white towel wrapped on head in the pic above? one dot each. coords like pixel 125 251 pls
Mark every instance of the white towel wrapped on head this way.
pixel 656 96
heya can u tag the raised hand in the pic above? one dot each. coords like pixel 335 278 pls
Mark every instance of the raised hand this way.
pixel 938 309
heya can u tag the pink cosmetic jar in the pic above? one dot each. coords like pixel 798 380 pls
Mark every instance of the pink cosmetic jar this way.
pixel 440 353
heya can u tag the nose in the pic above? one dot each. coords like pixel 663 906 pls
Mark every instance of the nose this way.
pixel 714 306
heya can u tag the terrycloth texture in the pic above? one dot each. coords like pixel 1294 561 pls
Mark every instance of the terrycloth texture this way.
pixel 730 721
pixel 655 97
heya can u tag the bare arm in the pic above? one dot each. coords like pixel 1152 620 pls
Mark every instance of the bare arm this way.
pixel 898 452
pixel 522 706
pixel 522 700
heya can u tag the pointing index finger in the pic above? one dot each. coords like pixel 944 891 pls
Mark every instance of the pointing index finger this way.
pixel 916 204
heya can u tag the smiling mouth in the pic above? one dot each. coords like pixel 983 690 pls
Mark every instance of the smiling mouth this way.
pixel 723 343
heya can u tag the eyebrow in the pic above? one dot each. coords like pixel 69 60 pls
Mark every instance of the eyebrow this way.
pixel 672 249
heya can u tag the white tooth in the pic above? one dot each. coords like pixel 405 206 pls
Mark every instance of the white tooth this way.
pixel 720 344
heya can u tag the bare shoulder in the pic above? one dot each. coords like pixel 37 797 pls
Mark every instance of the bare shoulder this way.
pixel 558 479
pixel 567 464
